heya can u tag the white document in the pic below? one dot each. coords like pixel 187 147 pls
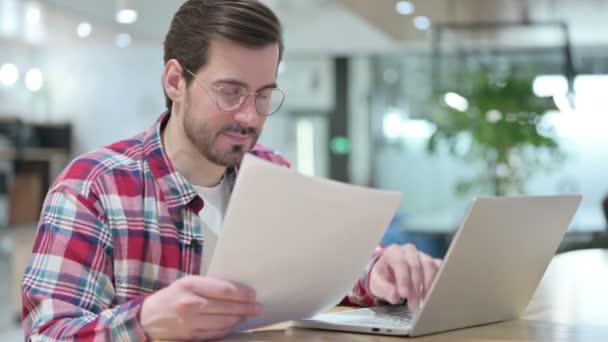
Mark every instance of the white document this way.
pixel 301 242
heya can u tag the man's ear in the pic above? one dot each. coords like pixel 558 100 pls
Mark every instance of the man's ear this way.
pixel 172 80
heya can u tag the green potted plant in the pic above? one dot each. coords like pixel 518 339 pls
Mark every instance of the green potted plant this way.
pixel 497 124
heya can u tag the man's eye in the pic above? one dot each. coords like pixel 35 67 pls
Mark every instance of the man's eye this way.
pixel 230 90
pixel 265 94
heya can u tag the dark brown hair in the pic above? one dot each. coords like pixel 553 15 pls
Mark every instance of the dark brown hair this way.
pixel 198 22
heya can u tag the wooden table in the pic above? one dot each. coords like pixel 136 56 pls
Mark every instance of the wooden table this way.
pixel 571 304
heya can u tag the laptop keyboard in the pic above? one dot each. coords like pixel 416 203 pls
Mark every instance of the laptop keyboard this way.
pixel 392 317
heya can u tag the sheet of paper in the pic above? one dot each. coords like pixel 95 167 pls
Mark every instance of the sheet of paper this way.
pixel 302 242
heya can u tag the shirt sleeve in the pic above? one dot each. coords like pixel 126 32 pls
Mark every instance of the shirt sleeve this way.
pixel 361 295
pixel 68 291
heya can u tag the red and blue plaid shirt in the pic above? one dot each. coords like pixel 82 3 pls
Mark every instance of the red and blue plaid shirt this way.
pixel 118 224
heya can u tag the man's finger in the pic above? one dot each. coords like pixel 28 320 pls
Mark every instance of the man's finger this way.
pixel 430 269
pixel 401 269
pixel 382 284
pixel 412 257
pixel 394 259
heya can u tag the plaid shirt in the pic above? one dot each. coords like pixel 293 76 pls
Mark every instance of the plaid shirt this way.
pixel 118 224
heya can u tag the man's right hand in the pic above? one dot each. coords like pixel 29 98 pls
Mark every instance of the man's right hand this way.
pixel 197 308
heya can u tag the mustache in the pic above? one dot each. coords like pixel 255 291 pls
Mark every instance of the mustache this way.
pixel 236 128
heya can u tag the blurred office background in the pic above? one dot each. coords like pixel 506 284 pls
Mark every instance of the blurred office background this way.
pixel 443 100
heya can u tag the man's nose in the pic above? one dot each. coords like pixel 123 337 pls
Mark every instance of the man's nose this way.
pixel 247 115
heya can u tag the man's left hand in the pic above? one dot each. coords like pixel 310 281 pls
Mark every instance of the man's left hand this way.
pixel 403 272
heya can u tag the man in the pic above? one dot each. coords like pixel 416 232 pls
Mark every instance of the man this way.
pixel 126 230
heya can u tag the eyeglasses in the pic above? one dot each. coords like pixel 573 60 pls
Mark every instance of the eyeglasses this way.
pixel 230 97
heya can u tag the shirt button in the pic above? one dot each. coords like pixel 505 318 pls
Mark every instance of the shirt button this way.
pixel 197 203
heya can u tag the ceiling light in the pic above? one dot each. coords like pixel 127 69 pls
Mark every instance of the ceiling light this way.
pixel 123 40
pixel 405 7
pixel 32 13
pixel 126 16
pixel 422 23
pixel 125 12
pixel 84 29
pixel 9 74
pixel 34 30
pixel 34 80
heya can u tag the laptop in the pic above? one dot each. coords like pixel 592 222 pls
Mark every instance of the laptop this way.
pixel 490 272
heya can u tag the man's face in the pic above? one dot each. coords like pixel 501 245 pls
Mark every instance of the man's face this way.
pixel 224 137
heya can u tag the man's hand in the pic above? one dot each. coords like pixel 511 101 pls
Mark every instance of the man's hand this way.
pixel 197 308
pixel 403 272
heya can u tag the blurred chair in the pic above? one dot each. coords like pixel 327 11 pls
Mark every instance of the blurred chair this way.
pixel 433 244
pixel 595 240
pixel 605 209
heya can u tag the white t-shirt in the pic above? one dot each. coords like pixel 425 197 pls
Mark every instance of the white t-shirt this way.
pixel 212 216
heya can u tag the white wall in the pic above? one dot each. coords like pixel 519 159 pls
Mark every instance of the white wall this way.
pixel 17 100
pixel 308 82
pixel 107 93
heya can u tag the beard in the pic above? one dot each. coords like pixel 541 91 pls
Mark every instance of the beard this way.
pixel 203 138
